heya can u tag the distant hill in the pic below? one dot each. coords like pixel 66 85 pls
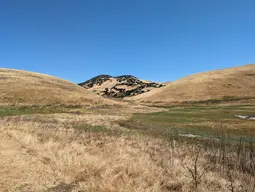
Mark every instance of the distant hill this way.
pixel 228 84
pixel 119 86
pixel 19 87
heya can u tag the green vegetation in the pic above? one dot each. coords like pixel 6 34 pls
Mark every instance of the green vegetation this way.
pixel 212 121
pixel 102 129
pixel 26 110
pixel 205 103
pixel 219 100
pixel 90 128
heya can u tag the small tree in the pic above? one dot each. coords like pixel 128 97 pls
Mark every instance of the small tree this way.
pixel 196 174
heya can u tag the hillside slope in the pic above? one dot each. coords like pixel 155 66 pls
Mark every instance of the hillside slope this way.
pixel 118 87
pixel 235 82
pixel 19 87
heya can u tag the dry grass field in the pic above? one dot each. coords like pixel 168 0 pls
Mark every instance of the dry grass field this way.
pixel 226 84
pixel 86 149
pixel 27 88
pixel 57 137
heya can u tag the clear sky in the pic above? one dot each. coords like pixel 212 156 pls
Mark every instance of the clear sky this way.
pixel 160 40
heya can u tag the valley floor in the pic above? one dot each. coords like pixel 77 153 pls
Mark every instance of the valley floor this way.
pixel 93 150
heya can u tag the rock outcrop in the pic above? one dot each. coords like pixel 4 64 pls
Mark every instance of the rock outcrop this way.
pixel 119 86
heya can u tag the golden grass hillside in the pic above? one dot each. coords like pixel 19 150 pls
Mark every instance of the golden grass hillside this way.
pixel 238 82
pixel 19 87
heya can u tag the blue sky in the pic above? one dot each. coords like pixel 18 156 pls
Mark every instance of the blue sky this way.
pixel 160 40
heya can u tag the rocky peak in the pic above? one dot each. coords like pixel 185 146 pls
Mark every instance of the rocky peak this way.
pixel 98 80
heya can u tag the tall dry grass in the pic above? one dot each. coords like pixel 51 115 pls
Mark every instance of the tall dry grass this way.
pixel 44 153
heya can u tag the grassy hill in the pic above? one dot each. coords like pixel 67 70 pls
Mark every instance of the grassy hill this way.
pixel 119 86
pixel 27 88
pixel 238 82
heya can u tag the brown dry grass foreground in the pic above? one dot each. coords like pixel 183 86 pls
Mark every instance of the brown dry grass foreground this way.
pixel 237 82
pixel 19 87
pixel 90 152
